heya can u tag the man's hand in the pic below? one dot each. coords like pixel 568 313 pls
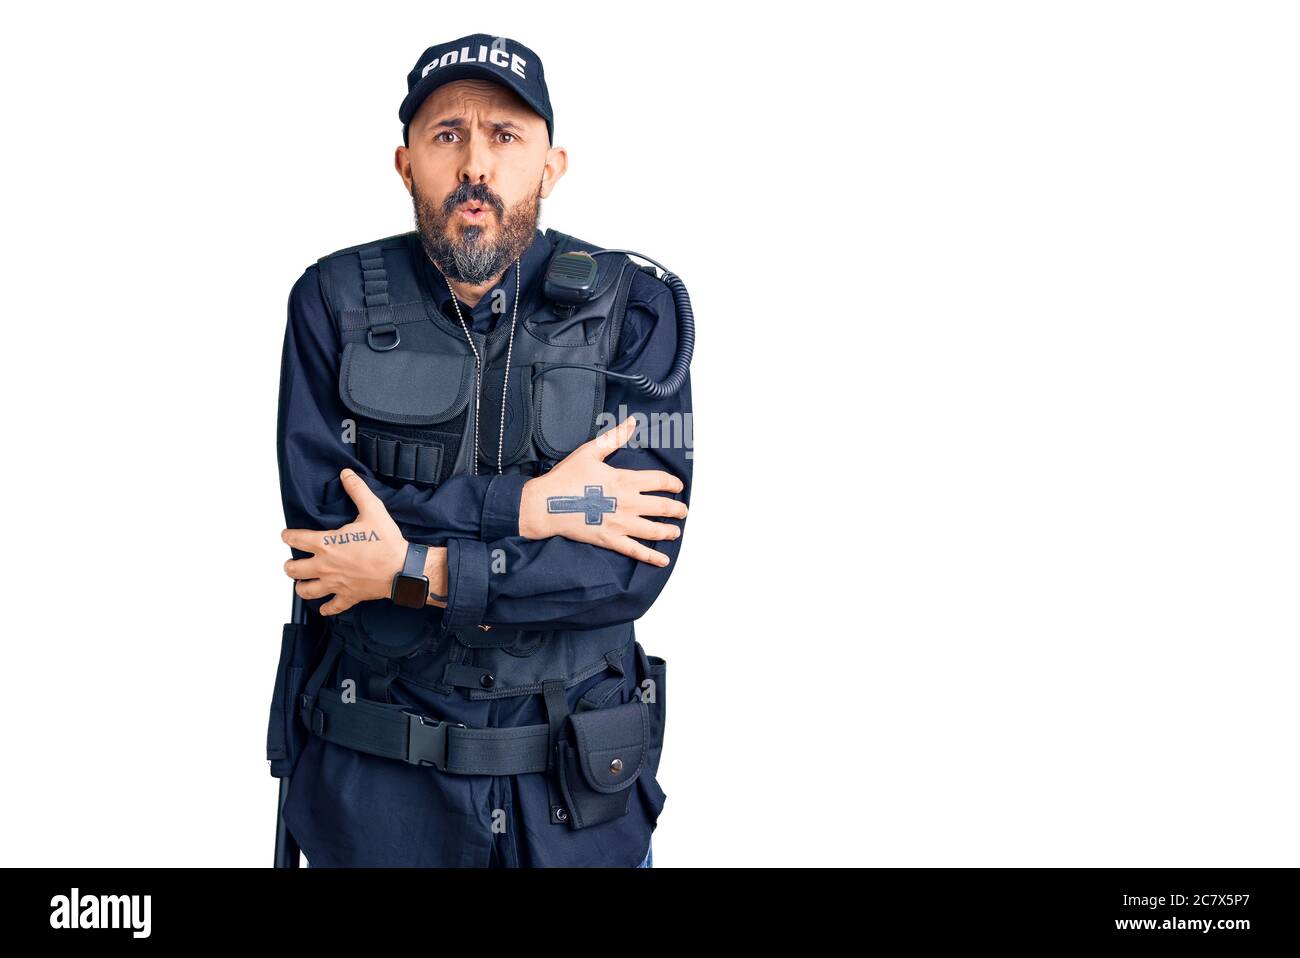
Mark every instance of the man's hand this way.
pixel 584 499
pixel 357 562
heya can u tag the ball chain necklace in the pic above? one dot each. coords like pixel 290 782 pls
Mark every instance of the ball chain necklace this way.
pixel 478 371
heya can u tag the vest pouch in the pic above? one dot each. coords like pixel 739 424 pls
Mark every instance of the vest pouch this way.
pixel 598 768
pixel 566 404
pixel 518 418
pixel 412 408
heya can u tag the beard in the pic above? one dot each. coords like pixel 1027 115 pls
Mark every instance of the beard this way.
pixel 461 252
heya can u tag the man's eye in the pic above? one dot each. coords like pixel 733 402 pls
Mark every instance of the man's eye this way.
pixel 438 136
pixel 511 135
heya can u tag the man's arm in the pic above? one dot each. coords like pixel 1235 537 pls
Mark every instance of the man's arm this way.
pixel 312 451
pixel 558 583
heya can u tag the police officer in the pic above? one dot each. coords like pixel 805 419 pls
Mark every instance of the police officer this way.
pixel 472 534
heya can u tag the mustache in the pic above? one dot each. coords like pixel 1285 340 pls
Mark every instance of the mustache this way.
pixel 475 192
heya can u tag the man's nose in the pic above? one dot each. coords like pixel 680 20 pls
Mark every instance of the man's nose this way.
pixel 476 165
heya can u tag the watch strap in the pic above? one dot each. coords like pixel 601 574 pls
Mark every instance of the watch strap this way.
pixel 411 577
pixel 415 556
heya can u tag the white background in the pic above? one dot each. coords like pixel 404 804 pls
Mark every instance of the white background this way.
pixel 992 557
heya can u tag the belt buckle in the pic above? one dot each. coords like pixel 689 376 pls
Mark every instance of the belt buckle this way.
pixel 426 742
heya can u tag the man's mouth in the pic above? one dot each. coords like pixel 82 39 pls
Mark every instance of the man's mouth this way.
pixel 473 212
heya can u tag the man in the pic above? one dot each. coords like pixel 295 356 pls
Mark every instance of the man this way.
pixel 467 689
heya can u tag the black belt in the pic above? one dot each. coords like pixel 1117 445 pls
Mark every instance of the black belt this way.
pixel 392 731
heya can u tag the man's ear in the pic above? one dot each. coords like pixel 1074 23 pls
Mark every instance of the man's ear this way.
pixel 402 163
pixel 557 161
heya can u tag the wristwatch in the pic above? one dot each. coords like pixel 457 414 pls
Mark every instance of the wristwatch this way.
pixel 411 585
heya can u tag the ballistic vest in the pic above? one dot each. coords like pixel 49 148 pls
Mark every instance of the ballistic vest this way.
pixel 410 375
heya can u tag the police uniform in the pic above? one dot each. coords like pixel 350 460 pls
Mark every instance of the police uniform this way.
pixel 534 741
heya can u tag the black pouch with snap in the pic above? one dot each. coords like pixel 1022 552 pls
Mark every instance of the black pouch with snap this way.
pixel 610 748
pixel 411 409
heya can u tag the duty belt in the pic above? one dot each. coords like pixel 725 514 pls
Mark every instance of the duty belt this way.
pixel 392 731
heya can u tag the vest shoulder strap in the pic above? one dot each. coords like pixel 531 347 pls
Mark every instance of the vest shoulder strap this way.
pixel 397 239
pixel 564 242
pixel 371 284
pixel 617 269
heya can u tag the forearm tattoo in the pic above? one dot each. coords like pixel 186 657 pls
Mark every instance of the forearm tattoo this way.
pixel 593 502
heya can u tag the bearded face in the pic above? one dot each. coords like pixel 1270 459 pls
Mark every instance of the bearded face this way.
pixel 471 236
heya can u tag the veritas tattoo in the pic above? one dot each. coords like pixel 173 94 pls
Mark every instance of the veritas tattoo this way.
pixel 370 536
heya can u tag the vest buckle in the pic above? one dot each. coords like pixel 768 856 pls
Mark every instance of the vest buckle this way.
pixel 384 329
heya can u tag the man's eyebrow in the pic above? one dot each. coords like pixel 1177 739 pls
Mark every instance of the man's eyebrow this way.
pixel 455 121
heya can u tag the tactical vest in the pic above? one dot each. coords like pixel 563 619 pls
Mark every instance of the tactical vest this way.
pixel 410 376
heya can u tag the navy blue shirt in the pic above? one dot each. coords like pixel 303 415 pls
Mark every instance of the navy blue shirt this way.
pixel 549 584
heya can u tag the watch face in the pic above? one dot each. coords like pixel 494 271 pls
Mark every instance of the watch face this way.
pixel 410 590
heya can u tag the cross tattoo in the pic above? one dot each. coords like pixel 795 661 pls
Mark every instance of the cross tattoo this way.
pixel 593 502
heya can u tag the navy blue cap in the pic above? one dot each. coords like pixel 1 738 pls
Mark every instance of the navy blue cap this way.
pixel 478 56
